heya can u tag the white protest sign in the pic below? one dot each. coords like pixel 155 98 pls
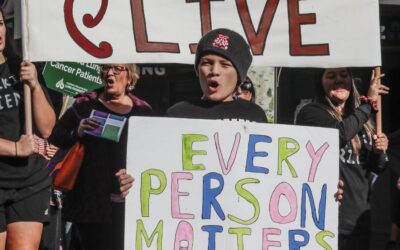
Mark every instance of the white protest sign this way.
pixel 308 33
pixel 203 184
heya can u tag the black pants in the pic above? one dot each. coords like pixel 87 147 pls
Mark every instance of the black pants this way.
pixel 99 236
pixel 355 241
pixel 51 236
pixel 52 230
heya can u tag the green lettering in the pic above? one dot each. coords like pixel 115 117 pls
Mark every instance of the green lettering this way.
pixel 147 189
pixel 285 152
pixel 141 231
pixel 248 197
pixel 240 231
pixel 320 239
pixel 188 153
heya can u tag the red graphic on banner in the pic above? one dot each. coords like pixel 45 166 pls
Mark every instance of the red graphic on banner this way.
pixel 104 49
pixel 205 16
pixel 140 33
pixel 297 48
pixel 257 38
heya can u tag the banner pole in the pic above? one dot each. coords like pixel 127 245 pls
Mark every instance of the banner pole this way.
pixel 28 109
pixel 27 90
pixel 64 106
pixel 377 72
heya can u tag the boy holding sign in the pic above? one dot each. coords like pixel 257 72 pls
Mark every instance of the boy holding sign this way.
pixel 222 60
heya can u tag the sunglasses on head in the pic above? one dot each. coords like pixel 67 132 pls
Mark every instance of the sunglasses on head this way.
pixel 247 86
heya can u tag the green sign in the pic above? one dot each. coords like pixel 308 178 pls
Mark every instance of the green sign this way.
pixel 72 78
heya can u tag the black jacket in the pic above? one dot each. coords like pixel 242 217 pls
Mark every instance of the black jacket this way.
pixel 357 171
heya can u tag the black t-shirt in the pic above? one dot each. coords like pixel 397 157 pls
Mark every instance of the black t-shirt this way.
pixel 204 109
pixel 17 172
pixel 354 170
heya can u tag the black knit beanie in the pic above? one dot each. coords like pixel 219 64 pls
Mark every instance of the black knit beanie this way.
pixel 228 44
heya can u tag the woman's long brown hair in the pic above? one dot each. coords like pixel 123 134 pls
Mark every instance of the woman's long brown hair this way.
pixel 351 104
pixel 10 49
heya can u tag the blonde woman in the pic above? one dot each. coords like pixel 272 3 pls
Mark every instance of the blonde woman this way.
pixel 96 204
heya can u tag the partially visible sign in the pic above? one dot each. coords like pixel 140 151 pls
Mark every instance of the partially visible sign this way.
pixel 72 78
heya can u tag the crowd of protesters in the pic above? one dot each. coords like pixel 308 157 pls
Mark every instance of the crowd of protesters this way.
pixel 96 203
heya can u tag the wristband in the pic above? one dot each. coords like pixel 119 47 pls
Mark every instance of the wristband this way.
pixel 370 101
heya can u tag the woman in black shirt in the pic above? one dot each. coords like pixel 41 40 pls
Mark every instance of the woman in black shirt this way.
pixel 362 151
pixel 24 181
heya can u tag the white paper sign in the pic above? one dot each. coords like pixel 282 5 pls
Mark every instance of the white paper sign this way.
pixel 308 33
pixel 202 184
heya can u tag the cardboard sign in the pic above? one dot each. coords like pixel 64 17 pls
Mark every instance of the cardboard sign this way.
pixel 203 184
pixel 309 33
pixel 72 78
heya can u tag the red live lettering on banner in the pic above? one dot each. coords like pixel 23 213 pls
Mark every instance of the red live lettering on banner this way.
pixel 257 37
pixel 104 49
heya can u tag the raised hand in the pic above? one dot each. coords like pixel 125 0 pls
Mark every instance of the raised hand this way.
pixel 376 89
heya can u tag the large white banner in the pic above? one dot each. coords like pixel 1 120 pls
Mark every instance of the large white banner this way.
pixel 308 33
pixel 202 184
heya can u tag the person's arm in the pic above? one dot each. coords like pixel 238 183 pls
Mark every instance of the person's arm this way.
pixel 7 148
pixel 72 125
pixel 42 113
pixel 316 115
pixel 25 146
pixel 65 131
